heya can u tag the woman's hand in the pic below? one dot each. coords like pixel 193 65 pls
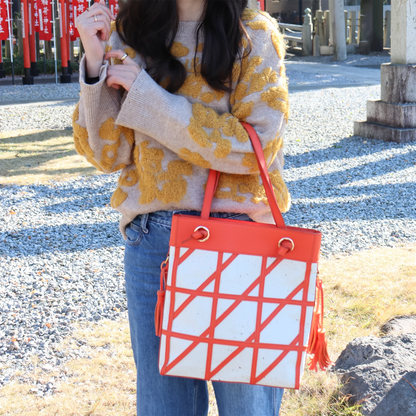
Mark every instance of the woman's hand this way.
pixel 121 75
pixel 94 28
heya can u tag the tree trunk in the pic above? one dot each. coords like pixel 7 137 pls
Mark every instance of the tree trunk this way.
pixel 377 41
pixel 366 26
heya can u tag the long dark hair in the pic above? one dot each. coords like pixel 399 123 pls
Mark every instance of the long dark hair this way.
pixel 150 27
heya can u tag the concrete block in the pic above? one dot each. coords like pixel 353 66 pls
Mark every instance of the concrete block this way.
pixel 326 50
pixel 385 133
pixel 392 114
pixel 398 83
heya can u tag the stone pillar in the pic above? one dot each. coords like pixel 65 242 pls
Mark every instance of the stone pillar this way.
pixel 319 26
pixel 393 118
pixel 253 4
pixel 307 33
pixel 338 30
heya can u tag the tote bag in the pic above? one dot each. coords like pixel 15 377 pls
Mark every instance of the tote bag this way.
pixel 240 301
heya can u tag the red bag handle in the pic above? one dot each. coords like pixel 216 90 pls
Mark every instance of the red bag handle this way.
pixel 214 176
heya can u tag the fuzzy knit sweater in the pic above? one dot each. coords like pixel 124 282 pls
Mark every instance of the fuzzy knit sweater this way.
pixel 164 144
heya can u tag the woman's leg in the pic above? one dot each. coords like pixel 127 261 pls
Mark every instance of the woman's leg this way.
pixel 146 248
pixel 247 400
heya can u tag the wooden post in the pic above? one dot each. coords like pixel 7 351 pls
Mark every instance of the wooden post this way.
pixel 32 40
pixel 65 77
pixel 48 49
pixel 27 78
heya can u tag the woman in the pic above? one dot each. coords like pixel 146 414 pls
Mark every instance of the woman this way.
pixel 163 91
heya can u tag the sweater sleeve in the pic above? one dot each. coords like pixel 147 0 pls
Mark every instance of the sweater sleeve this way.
pixel 97 137
pixel 205 137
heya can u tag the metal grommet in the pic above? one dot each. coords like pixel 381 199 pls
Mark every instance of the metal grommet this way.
pixel 205 229
pixel 123 57
pixel 286 239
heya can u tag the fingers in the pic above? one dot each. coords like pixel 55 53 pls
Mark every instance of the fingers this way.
pixel 101 23
pixel 100 8
pixel 118 53
pixel 122 75
pixel 95 21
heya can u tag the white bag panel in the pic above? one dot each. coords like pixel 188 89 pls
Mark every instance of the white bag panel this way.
pixel 299 296
pixel 265 358
pixel 162 351
pixel 284 327
pixel 239 324
pixel 220 353
pixel 210 287
pixel 255 291
pixel 166 310
pixel 284 278
pixel 193 364
pixel 179 299
pixel 177 347
pixel 195 318
pixel 239 369
pixel 197 268
pixel 171 257
pixel 308 323
pixel 312 282
pixel 302 365
pixel 284 374
pixel 225 257
pixel 240 274
pixel 182 251
pixel 223 305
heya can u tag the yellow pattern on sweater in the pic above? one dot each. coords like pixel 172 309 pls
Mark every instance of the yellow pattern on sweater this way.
pixel 155 183
pixel 270 151
pixel 81 140
pixel 207 118
pixel 234 186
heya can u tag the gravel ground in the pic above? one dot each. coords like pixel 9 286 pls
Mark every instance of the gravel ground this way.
pixel 38 92
pixel 61 254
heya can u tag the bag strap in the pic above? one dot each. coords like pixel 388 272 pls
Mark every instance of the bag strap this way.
pixel 214 176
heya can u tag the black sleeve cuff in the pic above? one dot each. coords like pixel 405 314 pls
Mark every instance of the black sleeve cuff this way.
pixel 89 80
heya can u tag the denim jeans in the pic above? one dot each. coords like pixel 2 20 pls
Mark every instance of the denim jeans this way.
pixel 147 246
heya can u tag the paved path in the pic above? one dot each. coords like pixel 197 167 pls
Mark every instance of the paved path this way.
pixel 360 76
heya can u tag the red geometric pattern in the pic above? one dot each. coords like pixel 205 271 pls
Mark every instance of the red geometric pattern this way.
pixel 257 354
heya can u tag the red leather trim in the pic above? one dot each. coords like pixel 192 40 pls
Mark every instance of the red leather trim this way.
pixel 213 178
pixel 231 297
pixel 243 237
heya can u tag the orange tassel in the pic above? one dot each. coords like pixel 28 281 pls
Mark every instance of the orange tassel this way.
pixel 317 341
pixel 159 312
pixel 161 297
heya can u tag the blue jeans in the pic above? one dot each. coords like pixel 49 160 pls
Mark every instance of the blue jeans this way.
pixel 147 246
